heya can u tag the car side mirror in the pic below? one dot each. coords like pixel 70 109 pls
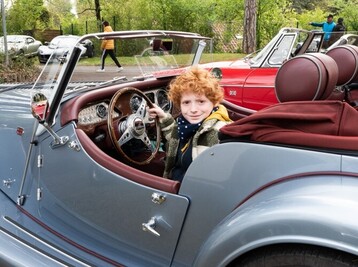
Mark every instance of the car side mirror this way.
pixel 39 109
pixel 39 106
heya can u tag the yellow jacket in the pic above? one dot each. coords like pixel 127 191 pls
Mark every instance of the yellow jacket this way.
pixel 109 43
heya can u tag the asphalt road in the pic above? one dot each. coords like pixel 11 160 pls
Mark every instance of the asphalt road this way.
pixel 89 73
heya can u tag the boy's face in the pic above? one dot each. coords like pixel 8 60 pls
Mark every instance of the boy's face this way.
pixel 195 108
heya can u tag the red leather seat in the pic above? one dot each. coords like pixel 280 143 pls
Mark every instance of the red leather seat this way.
pixel 306 77
pixel 346 58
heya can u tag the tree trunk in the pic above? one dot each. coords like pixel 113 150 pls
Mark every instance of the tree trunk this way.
pixel 249 41
pixel 98 13
pixel 98 9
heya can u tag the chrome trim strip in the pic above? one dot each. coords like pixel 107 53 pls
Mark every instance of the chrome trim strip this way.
pixel 246 86
pixel 33 248
pixel 41 240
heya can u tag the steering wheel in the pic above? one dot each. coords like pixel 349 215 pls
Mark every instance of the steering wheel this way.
pixel 132 123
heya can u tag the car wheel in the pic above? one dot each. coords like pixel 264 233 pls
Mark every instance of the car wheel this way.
pixel 296 255
pixel 41 60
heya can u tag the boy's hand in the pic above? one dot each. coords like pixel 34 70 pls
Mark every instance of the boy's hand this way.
pixel 156 111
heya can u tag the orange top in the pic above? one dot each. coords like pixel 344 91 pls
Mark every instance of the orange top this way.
pixel 109 43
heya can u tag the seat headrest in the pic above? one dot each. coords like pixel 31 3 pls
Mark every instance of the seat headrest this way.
pixel 306 77
pixel 346 57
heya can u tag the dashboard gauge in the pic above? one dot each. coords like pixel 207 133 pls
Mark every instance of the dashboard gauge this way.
pixel 135 102
pixel 101 111
pixel 163 100
pixel 151 96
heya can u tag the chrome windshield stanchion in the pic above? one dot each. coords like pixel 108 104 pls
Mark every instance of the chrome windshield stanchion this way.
pixel 21 198
pixel 57 140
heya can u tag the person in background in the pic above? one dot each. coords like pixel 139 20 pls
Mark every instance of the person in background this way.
pixel 107 47
pixel 338 31
pixel 327 28
pixel 198 94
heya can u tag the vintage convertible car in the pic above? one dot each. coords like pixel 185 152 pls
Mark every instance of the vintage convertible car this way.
pixel 81 166
pixel 250 82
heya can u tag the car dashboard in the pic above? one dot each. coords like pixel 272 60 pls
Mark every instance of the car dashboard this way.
pixel 96 113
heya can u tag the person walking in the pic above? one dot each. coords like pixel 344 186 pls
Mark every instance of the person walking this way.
pixel 107 47
pixel 327 28
pixel 338 31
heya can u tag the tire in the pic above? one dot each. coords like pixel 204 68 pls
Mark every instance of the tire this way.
pixel 296 256
pixel 41 61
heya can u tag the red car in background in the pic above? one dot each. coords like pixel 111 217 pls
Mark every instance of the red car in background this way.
pixel 249 82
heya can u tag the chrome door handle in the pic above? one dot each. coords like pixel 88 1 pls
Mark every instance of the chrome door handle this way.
pixel 150 225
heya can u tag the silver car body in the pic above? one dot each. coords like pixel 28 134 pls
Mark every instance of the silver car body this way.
pixel 67 202
pixel 20 45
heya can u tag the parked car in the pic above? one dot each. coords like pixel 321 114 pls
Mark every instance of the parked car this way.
pixel 80 188
pixel 250 82
pixel 20 45
pixel 61 44
pixel 349 38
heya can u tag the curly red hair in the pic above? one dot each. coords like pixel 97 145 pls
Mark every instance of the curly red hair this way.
pixel 198 81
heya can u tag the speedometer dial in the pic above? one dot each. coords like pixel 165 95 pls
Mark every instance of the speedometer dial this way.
pixel 101 111
pixel 135 102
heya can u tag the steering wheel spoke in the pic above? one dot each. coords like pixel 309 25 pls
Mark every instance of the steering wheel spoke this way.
pixel 125 137
pixel 147 142
pixel 142 109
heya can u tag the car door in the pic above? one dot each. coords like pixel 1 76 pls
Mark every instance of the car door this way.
pixel 30 46
pixel 104 212
pixel 259 88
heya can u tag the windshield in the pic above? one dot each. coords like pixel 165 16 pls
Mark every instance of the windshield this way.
pixel 142 54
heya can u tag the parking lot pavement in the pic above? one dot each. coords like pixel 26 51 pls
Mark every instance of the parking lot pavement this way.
pixel 89 73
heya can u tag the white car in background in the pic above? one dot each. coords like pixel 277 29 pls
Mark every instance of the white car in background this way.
pixel 62 44
pixel 20 45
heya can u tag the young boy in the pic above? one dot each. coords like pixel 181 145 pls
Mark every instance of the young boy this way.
pixel 198 95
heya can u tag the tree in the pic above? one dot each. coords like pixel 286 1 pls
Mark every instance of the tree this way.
pixel 60 13
pixel 249 41
pixel 27 15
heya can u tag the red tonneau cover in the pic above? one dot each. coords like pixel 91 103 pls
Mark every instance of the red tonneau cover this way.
pixel 324 124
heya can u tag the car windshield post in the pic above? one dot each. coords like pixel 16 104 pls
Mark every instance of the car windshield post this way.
pixel 74 56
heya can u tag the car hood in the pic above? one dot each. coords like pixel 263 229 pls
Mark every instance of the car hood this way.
pixel 15 108
pixel 49 49
pixel 16 128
